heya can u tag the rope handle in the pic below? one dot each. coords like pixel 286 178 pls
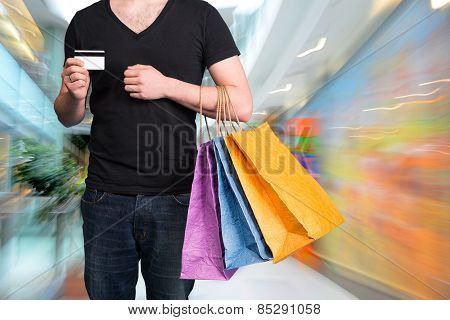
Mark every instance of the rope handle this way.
pixel 223 114
pixel 230 107
pixel 236 116
pixel 200 103
pixel 222 108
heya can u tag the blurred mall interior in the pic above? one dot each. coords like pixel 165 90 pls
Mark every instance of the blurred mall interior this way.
pixel 370 77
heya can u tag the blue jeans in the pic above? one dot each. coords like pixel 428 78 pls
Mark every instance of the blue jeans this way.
pixel 121 230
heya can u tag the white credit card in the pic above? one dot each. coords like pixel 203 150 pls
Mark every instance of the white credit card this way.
pixel 93 59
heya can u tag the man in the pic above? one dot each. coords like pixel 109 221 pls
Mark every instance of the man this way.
pixel 143 135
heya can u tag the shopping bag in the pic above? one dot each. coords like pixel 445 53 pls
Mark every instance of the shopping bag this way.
pixel 241 236
pixel 291 208
pixel 202 255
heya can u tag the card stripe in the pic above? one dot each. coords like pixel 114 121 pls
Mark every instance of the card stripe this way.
pixel 90 51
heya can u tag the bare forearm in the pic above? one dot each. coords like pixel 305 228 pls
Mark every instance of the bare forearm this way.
pixel 188 95
pixel 70 111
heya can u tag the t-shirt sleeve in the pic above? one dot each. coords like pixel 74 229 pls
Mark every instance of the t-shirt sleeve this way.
pixel 219 43
pixel 70 40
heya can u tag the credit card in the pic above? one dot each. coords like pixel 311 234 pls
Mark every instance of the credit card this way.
pixel 93 59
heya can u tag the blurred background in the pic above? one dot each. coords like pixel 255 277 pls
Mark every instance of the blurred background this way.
pixel 358 89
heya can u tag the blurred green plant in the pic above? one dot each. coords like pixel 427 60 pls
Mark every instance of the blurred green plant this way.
pixel 80 141
pixel 49 172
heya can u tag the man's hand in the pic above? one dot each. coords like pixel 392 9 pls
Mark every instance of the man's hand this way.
pixel 76 78
pixel 70 104
pixel 145 82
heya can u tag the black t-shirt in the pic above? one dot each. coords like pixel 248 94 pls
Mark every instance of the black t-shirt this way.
pixel 146 146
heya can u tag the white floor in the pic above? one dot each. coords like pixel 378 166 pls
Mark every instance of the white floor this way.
pixel 288 279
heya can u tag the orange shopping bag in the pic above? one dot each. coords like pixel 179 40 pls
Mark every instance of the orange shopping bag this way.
pixel 291 208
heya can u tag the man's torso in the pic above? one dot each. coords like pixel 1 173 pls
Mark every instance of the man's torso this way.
pixel 146 146
pixel 138 146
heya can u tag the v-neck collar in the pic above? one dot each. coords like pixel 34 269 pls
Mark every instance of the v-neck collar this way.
pixel 145 31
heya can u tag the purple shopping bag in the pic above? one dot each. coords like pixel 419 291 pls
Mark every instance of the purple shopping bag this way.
pixel 202 256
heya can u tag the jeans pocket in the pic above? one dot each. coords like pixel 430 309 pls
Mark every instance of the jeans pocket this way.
pixel 182 199
pixel 93 196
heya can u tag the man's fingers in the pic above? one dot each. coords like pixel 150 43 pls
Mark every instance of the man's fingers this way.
pixel 73 62
pixel 77 76
pixel 132 88
pixel 136 95
pixel 134 80
pixel 76 84
pixel 67 81
pixel 75 69
pixel 129 73
pixel 74 77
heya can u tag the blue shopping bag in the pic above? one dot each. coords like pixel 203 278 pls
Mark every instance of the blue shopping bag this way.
pixel 242 238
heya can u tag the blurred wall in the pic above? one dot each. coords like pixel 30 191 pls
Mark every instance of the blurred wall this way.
pixel 34 254
pixel 384 156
